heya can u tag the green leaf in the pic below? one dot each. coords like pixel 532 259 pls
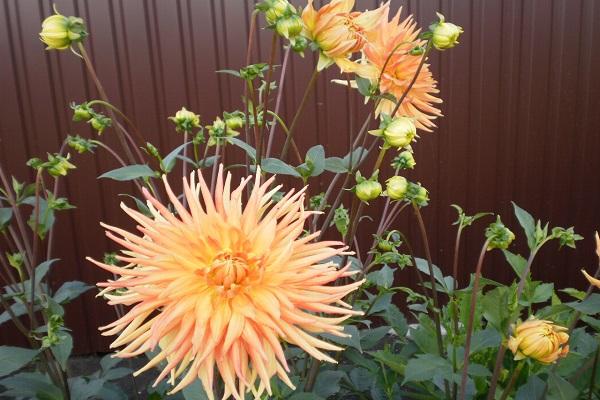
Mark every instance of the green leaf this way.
pixel 31 385
pixel 394 361
pixel 70 290
pixel 485 339
pixel 363 85
pixel 560 389
pixel 352 341
pixel 276 166
pixel 361 378
pixel 358 156
pixel 381 303
pixel 305 396
pixel 328 383
pixel 370 338
pixel 423 266
pixel 108 362
pixel 336 165
pixel 542 293
pixel 517 262
pixel 589 306
pixel 129 173
pixel 62 350
pixel 168 162
pixel 532 390
pixel 251 151
pixel 14 358
pixel 141 206
pixel 357 358
pixel 394 317
pixel 384 277
pixel 315 156
pixel 497 305
pixel 82 388
pixel 5 216
pixel 195 391
pixel 426 367
pixel 527 223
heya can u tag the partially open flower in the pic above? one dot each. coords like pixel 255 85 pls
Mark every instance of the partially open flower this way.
pixel 540 340
pixel 338 31
pixel 445 34
pixel 592 280
pixel 59 32
pixel 221 283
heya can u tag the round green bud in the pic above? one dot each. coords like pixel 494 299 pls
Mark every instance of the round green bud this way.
pixel 277 9
pixel 81 113
pixel 385 245
pixel 299 44
pixel 185 120
pixel 289 27
pixel 396 187
pixel 368 190
pixel 234 122
pixel 445 34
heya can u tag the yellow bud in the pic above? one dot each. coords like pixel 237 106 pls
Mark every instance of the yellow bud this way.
pixel 289 27
pixel 445 34
pixel 539 340
pixel 400 132
pixel 185 120
pixel 396 187
pixel 59 32
pixel 368 190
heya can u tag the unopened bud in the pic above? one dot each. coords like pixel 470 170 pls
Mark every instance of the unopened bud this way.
pixel 404 160
pixel 185 121
pixel 368 190
pixel 539 340
pixel 445 34
pixel 99 122
pixel 396 187
pixel 498 235
pixel 290 27
pixel 397 132
pixel 59 32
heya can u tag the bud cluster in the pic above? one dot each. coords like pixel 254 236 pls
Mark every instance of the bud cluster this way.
pixel 223 129
pixel 84 112
pixel 56 165
pixel 286 21
pixel 80 144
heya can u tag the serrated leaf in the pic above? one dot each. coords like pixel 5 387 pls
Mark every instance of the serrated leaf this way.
pixel 391 360
pixel 352 341
pixel 426 367
pixel 394 317
pixel 560 389
pixel 485 339
pixel 328 383
pixel 589 306
pixel 516 261
pixel 384 277
pixel 532 390
pixel 129 173
pixel 369 338
pixel 70 290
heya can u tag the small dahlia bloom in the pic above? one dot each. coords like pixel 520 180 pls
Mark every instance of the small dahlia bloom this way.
pixel 219 284
pixel 387 55
pixel 538 339
pixel 338 31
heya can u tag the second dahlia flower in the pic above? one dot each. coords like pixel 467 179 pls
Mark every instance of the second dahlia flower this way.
pixel 538 339
pixel 217 286
pixel 387 56
pixel 338 31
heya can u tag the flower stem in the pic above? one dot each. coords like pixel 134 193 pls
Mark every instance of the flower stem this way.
pixel 309 87
pixel 474 291
pixel 513 379
pixel 278 101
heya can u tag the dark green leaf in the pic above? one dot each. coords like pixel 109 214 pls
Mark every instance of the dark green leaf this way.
pixel 168 162
pixel 316 157
pixel 336 165
pixel 560 389
pixel 14 358
pixel 195 391
pixel 532 390
pixel 527 223
pixel 62 350
pixel 251 151
pixel 352 341
pixel 276 166
pixel 589 306
pixel 82 388
pixel 129 173
pixel 328 383
pixel 305 396
pixel 5 216
pixel 358 156
pixel 391 360
pixel 363 85
pixel 70 290
pixel 426 367
pixel 485 339
pixel 517 262
pixel 384 277
pixel 394 317
pixel 31 385
pixel 423 266
pixel 369 338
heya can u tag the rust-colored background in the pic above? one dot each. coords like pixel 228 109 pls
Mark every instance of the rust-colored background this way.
pixel 521 98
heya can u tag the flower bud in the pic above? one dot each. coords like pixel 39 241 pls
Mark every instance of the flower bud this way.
pixel 404 160
pixel 499 236
pixel 299 44
pixel 368 190
pixel 540 340
pixel 59 32
pixel 80 144
pixel 185 121
pixel 445 34
pixel 58 165
pixel 152 150
pixel 99 122
pixel 396 187
pixel 276 9
pixel 289 27
pixel 397 132
pixel 384 245
pixel 417 194
pixel 234 120
pixel 81 112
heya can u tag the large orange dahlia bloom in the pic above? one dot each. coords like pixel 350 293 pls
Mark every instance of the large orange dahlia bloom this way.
pixel 398 38
pixel 220 283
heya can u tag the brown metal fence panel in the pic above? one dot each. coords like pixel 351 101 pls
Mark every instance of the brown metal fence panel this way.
pixel 521 98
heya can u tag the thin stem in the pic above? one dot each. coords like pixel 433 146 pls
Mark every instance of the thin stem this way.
pixel 185 156
pixel 511 383
pixel 414 79
pixel 593 377
pixel 454 306
pixel 55 195
pixel 116 157
pixel 213 180
pixel 274 42
pixel 309 87
pixel 255 125
pixel 287 132
pixel 278 101
pixel 122 115
pixel 35 238
pixel 474 291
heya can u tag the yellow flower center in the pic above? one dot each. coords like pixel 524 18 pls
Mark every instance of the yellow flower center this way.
pixel 230 270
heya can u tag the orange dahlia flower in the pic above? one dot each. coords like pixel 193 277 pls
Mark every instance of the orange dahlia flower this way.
pixel 592 280
pixel 540 340
pixel 394 40
pixel 221 283
pixel 339 32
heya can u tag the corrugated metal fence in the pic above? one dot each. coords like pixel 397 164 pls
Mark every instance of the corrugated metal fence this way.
pixel 521 98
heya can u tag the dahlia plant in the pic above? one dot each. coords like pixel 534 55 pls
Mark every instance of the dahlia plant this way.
pixel 256 289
